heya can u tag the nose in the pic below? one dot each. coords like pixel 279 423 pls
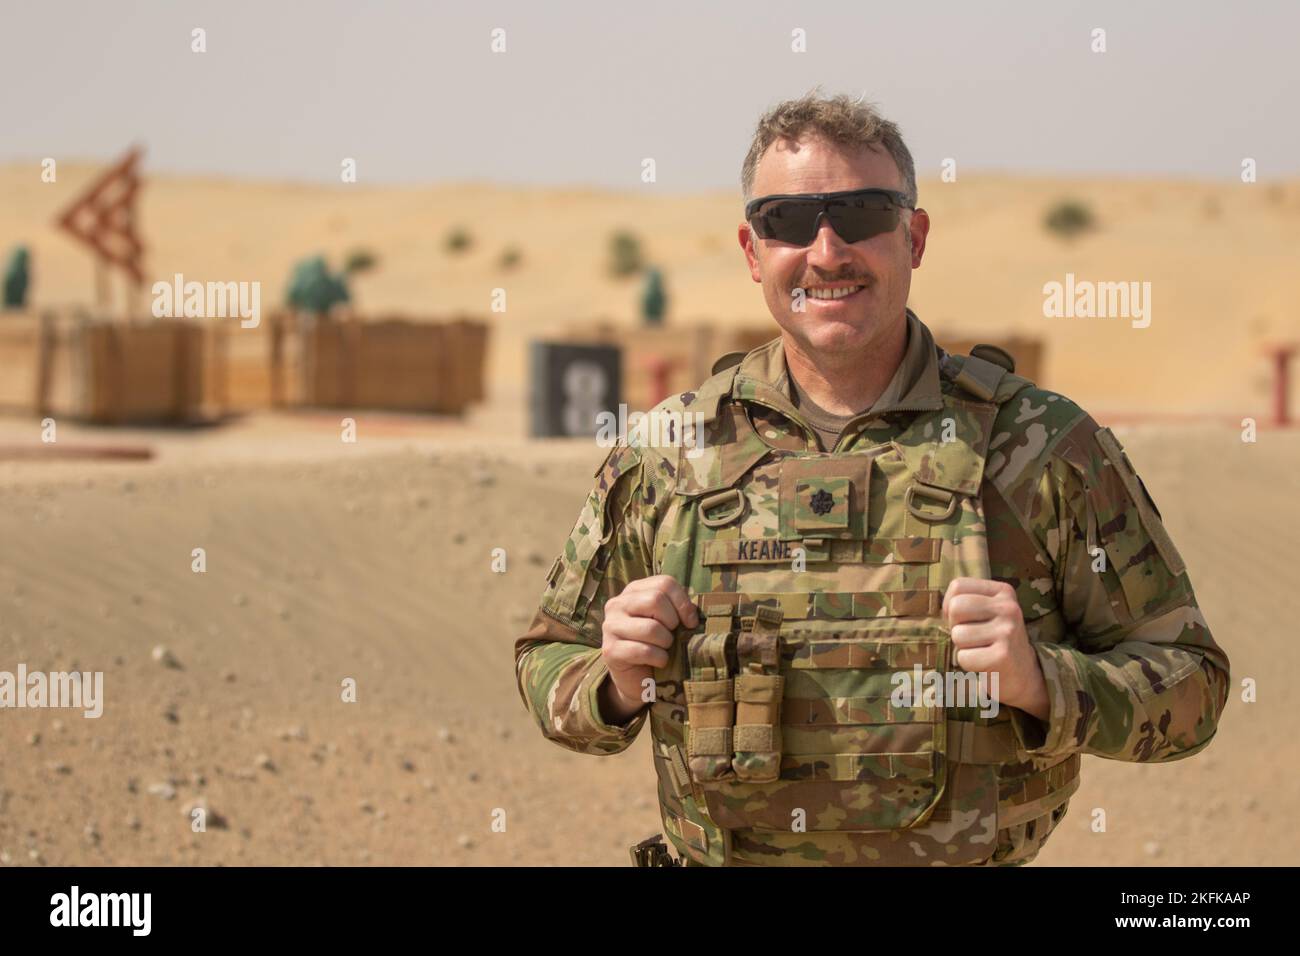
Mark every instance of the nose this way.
pixel 827 248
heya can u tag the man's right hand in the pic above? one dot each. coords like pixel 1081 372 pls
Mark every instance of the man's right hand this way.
pixel 635 638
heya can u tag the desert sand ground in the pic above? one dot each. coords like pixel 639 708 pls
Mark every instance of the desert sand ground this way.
pixel 372 561
pixel 328 560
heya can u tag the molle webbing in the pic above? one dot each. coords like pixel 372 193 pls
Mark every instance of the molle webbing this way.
pixel 830 605
pixel 801 694
pixel 759 688
pixel 1025 798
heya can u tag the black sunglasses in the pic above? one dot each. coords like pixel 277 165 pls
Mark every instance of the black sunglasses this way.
pixel 854 214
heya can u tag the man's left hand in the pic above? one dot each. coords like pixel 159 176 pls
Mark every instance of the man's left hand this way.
pixel 988 635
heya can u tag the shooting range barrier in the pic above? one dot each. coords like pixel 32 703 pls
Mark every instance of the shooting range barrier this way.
pixel 392 364
pixel 293 360
pixel 188 371
pixel 103 372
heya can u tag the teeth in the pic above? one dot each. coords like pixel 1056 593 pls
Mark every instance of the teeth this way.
pixel 832 293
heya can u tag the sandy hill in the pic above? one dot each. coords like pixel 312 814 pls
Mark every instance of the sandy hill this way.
pixel 1220 257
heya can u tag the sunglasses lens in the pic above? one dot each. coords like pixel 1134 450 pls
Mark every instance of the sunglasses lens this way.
pixel 796 221
pixel 788 221
pixel 855 223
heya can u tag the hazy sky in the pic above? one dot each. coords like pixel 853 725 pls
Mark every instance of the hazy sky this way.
pixel 412 91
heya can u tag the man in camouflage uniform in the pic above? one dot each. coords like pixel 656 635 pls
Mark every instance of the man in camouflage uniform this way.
pixel 862 507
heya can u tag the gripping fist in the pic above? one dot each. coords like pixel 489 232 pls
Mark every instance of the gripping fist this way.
pixel 988 634
pixel 635 637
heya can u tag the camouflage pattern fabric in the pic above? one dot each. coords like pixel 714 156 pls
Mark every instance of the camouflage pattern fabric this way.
pixel 1039 497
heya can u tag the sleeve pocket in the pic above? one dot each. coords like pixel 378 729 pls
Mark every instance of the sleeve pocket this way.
pixel 1148 516
pixel 1123 520
pixel 573 578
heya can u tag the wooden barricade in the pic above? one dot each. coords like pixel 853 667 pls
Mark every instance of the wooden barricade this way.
pixel 24 361
pixel 392 363
pixel 178 370
pixel 468 342
pixel 151 372
pixel 103 371
pixel 257 367
pixel 296 360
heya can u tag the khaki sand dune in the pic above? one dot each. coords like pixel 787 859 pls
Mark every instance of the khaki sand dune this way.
pixel 373 562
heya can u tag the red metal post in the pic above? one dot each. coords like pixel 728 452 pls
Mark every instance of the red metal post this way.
pixel 659 372
pixel 1282 384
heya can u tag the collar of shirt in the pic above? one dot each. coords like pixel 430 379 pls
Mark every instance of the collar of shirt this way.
pixel 764 377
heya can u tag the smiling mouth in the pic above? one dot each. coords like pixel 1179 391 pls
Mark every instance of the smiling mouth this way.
pixel 837 294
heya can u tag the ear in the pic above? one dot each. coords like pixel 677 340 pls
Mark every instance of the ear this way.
pixel 749 242
pixel 920 229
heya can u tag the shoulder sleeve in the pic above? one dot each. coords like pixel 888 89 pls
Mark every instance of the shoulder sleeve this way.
pixel 1114 546
pixel 1138 677
pixel 610 545
pixel 558 666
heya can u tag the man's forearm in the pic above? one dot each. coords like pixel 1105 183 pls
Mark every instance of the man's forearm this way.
pixel 1096 706
pixel 615 709
pixel 560 678
pixel 1037 701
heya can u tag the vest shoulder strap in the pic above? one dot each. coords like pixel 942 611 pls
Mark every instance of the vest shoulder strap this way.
pixel 708 398
pixel 727 361
pixel 980 377
pixel 984 380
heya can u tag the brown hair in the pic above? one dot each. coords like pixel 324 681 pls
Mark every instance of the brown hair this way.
pixel 835 119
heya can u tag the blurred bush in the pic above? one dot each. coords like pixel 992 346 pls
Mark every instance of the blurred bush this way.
pixel 359 260
pixel 654 299
pixel 16 278
pixel 625 257
pixel 314 289
pixel 458 240
pixel 1069 218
